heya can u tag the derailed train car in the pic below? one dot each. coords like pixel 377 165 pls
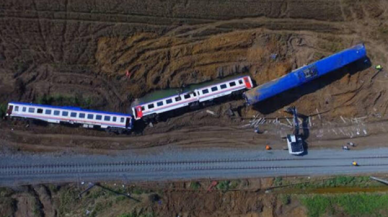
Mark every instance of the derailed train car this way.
pixel 305 74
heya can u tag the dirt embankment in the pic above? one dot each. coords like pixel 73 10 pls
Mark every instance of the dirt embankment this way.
pixel 83 48
pixel 241 198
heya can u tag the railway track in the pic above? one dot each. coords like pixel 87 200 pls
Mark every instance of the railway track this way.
pixel 213 164
pixel 171 166
pixel 145 163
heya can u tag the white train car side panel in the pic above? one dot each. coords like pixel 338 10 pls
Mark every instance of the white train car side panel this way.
pixel 54 114
pixel 199 95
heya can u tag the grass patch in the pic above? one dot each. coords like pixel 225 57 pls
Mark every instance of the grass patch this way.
pixel 223 185
pixel 138 190
pixel 195 185
pixel 68 199
pixel 7 206
pixel 100 207
pixel 285 199
pixel 234 184
pixel 65 100
pixel 278 181
pixel 349 204
pixel 3 110
pixel 136 214
pixel 120 198
pixel 340 181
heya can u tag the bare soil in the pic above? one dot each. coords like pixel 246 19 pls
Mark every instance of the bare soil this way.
pixel 246 199
pixel 78 52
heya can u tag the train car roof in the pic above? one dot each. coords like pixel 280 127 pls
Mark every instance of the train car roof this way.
pixel 70 108
pixel 163 94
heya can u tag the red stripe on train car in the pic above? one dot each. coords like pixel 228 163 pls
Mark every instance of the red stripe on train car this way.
pixel 247 83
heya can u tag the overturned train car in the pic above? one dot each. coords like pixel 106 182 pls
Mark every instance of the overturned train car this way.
pixel 305 74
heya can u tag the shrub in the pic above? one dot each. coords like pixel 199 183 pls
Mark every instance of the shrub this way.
pixel 3 110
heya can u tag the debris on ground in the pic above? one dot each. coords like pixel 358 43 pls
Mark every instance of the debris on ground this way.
pixel 212 185
pixel 211 112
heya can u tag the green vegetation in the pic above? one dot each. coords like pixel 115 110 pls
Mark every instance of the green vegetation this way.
pixel 68 199
pixel 223 185
pixel 120 198
pixel 278 181
pixel 65 100
pixel 350 204
pixel 234 184
pixel 99 207
pixel 135 214
pixel 3 110
pixel 285 199
pixel 195 185
pixel 138 190
pixel 340 181
pixel 21 66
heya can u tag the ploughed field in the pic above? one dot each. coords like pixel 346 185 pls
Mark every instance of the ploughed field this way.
pixel 77 53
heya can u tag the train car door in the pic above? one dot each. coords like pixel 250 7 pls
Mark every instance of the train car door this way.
pixel 139 112
pixel 128 123
pixel 9 111
pixel 247 83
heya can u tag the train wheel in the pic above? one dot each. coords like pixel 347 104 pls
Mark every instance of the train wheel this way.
pixel 194 105
pixel 158 118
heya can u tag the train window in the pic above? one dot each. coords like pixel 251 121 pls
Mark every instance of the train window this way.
pixel 114 119
pixel 223 86
pixel 16 108
pixel 177 99
pixel 39 111
pixel 48 112
pixel 187 96
pixel 56 112
pixel 214 89
pixel 240 81
pixel 151 106
pixel 232 84
pixel 310 72
pixel 65 114
pixel 122 120
pixel 98 117
pixel 169 101
pixel 24 109
pixel 205 91
pixel 107 118
pixel 81 115
pixel 73 114
pixel 194 94
pixel 90 116
pixel 142 108
pixel 31 110
pixel 159 103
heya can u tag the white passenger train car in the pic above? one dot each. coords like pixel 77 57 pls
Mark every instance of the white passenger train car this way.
pixel 72 115
pixel 196 96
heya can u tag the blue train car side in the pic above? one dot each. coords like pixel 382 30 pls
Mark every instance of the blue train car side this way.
pixel 305 74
